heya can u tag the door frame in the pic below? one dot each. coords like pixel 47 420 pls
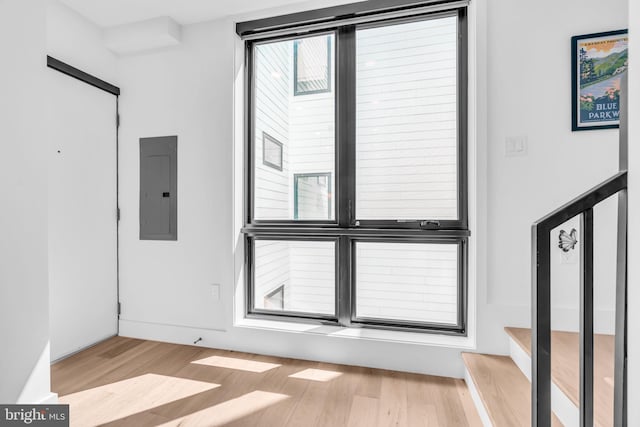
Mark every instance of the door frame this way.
pixel 94 81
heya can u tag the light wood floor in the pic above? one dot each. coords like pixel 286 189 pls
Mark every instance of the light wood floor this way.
pixel 128 382
pixel 565 368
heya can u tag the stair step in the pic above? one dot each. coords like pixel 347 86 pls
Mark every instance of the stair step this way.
pixel 565 370
pixel 504 391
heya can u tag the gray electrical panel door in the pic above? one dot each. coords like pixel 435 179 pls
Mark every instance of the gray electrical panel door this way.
pixel 159 188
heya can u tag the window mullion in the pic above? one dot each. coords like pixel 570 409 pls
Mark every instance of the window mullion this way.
pixel 344 277
pixel 463 184
pixel 345 159
pixel 346 123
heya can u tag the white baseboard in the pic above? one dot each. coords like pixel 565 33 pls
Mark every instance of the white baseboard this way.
pixel 562 406
pixel 317 345
pixel 50 399
pixel 473 391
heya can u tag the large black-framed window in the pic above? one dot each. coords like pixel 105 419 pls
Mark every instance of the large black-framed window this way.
pixel 393 128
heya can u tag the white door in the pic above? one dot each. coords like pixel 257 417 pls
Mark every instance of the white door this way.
pixel 82 214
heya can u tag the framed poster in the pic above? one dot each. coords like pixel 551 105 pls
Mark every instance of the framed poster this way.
pixel 598 62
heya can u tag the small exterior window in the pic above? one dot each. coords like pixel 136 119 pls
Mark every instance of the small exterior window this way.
pixel 312 65
pixel 271 151
pixel 274 300
pixel 312 196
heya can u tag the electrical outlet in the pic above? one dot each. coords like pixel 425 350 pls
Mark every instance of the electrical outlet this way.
pixel 516 146
pixel 215 291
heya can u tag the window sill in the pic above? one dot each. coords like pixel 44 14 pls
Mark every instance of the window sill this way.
pixel 418 338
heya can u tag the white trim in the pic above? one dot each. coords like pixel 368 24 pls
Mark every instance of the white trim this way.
pixel 520 358
pixel 429 339
pixel 380 16
pixel 477 401
pixel 319 345
pixel 50 399
pixel 563 407
pixel 39 382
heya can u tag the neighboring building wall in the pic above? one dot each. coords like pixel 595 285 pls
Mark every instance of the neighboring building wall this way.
pixel 312 277
pixel 272 112
pixel 312 118
pixel 272 270
pixel 413 282
pixel 271 115
pixel 406 121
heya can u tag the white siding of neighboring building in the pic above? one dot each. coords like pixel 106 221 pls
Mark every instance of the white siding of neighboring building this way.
pixel 406 121
pixel 409 281
pixel 271 269
pixel 271 185
pixel 313 276
pixel 313 131
pixel 272 114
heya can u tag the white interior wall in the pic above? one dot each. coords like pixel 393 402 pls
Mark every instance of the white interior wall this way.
pixel 523 39
pixel 73 39
pixel 24 296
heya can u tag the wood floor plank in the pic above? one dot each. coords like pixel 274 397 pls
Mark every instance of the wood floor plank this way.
pixel 363 412
pixel 125 382
pixel 565 368
pixel 392 410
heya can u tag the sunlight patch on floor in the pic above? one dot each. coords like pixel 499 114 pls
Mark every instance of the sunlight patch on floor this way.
pixel 235 363
pixel 316 375
pixel 230 410
pixel 120 399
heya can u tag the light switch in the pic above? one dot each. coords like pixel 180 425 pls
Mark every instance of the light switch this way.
pixel 215 291
pixel 515 146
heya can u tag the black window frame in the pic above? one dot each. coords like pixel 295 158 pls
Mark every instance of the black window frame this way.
pixel 345 228
pixel 297 92
pixel 290 315
pixel 389 323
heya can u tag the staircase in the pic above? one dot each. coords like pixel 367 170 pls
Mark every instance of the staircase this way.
pixel 501 387
pixel 553 378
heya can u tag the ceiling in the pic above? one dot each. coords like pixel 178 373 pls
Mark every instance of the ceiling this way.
pixel 109 13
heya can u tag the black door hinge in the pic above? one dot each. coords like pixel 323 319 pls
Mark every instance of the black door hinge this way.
pixel 118 214
pixel 119 308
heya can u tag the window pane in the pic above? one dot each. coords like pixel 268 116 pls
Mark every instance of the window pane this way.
pixel 312 61
pixel 293 134
pixel 312 196
pixel 294 276
pixel 407 282
pixel 406 145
